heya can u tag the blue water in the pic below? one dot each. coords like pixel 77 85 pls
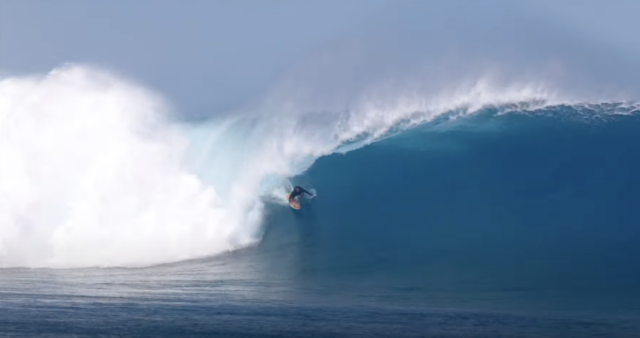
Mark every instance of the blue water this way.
pixel 522 224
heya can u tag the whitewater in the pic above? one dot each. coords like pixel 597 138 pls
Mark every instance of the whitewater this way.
pixel 97 171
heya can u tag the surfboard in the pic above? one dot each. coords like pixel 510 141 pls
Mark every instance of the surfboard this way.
pixel 294 204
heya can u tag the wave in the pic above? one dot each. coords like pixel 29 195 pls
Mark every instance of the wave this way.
pixel 95 172
pixel 536 202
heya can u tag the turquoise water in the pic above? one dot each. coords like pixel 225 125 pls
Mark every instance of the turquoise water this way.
pixel 522 224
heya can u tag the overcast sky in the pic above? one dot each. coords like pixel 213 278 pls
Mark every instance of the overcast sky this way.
pixel 208 55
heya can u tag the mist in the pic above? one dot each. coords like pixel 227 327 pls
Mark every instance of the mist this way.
pixel 211 58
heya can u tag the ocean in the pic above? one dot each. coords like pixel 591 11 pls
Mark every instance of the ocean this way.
pixel 506 218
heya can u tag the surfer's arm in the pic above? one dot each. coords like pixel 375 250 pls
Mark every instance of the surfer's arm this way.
pixel 307 192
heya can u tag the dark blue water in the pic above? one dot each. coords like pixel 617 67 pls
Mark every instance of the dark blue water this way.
pixel 515 225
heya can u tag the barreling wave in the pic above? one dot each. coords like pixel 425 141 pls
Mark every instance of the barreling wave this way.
pixel 93 173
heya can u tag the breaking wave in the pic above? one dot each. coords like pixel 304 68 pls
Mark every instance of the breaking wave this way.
pixel 95 171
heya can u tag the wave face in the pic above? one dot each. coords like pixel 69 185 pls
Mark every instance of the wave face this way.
pixel 537 205
pixel 96 173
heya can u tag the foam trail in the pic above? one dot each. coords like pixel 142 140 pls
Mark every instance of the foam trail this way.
pixel 92 175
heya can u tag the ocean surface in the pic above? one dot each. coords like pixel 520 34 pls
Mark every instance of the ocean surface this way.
pixel 508 220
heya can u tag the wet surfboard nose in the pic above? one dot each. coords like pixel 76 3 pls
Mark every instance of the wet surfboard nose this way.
pixel 294 204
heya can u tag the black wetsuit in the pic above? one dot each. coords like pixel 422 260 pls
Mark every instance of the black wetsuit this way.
pixel 295 192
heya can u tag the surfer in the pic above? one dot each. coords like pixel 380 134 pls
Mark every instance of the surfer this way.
pixel 298 190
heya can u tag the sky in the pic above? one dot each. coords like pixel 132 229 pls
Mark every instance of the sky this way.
pixel 210 56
